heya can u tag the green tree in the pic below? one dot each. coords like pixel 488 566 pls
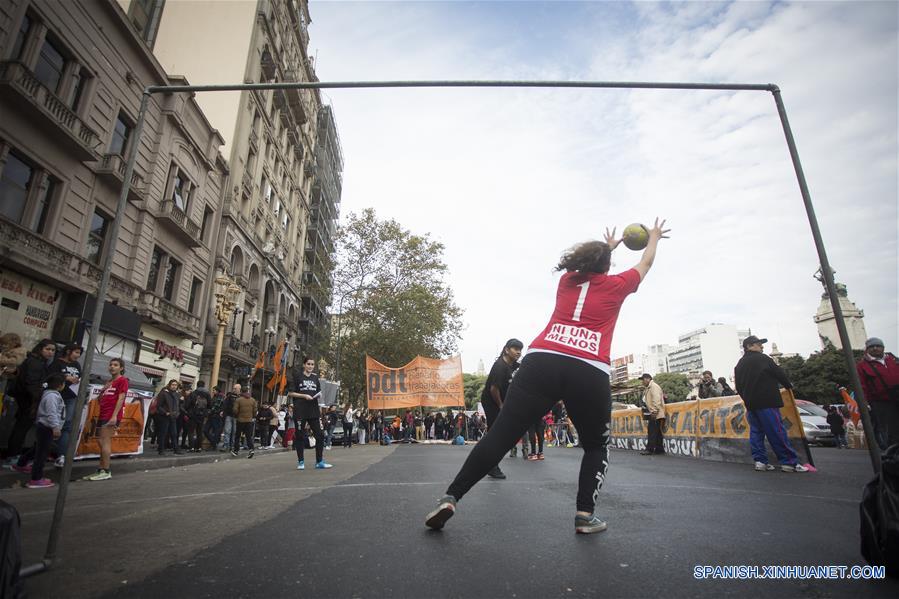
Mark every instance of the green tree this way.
pixel 392 299
pixel 675 385
pixel 818 377
pixel 474 385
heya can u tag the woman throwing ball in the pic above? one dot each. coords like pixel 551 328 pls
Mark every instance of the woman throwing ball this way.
pixel 569 360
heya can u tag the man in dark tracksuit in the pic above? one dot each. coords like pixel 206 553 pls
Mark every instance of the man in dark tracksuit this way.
pixel 496 386
pixel 757 377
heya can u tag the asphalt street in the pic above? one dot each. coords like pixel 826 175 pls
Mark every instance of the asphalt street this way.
pixel 260 528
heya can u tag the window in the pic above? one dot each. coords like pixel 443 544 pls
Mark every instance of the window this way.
pixel 145 16
pixel 96 238
pixel 50 65
pixel 120 137
pixel 195 288
pixel 15 183
pixel 82 78
pixel 277 208
pixel 182 189
pixel 155 264
pixel 171 278
pixel 266 191
pixel 19 46
pixel 285 222
pixel 207 224
pixel 44 202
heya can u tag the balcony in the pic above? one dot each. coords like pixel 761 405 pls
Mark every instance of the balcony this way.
pixel 247 183
pixel 167 315
pixel 176 221
pixel 19 86
pixel 269 68
pixel 244 350
pixel 112 170
pixel 254 140
pixel 295 98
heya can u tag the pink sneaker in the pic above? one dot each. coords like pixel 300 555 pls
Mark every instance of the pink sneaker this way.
pixel 40 484
pixel 26 469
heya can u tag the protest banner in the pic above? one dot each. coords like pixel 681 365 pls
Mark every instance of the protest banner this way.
pixel 423 382
pixel 129 437
pixel 713 429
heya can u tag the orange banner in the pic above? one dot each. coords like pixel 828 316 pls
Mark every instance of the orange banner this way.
pixel 128 439
pixel 421 382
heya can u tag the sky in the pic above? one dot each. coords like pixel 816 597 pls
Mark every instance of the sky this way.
pixel 507 179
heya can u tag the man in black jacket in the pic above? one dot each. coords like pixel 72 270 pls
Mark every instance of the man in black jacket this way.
pixel 756 378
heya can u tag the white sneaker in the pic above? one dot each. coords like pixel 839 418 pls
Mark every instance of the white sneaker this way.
pixel 60 462
pixel 763 467
pixel 796 468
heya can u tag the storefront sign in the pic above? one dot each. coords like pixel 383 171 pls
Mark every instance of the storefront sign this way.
pixel 27 308
pixel 169 351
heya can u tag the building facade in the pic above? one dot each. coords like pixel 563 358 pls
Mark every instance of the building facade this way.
pixel 655 360
pixel 280 205
pixel 716 347
pixel 71 79
pixel 852 316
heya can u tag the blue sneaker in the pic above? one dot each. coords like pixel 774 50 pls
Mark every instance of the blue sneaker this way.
pixel 585 525
pixel 301 465
pixel 323 465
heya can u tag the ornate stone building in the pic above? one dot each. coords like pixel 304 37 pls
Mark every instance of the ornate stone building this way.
pixel 281 203
pixel 71 77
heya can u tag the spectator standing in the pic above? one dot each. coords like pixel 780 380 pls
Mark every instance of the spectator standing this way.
pixel 305 390
pixel 756 377
pixel 725 388
pixel 263 423
pixel 27 389
pixel 112 410
pixel 879 374
pixel 213 429
pixel 653 399
pixel 348 426
pixel 168 410
pixel 331 418
pixel 199 402
pixel 67 365
pixel 708 386
pixel 244 414
pixel 229 423
pixel 50 419
pixel 837 427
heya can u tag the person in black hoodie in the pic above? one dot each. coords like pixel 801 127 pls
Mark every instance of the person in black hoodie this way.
pixel 27 390
pixel 198 405
pixel 837 426
pixel 756 377
pixel 168 410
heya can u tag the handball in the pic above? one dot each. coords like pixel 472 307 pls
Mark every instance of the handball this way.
pixel 635 236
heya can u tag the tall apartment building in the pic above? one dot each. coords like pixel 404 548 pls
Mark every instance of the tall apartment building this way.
pixel 280 207
pixel 624 369
pixel 71 77
pixel 656 359
pixel 716 347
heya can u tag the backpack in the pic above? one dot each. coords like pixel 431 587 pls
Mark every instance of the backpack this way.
pixel 153 404
pixel 879 510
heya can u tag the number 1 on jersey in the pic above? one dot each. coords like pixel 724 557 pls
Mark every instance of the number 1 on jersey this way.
pixel 580 301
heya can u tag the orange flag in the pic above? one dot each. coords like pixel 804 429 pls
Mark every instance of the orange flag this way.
pixel 260 363
pixel 276 365
pixel 283 381
pixel 851 405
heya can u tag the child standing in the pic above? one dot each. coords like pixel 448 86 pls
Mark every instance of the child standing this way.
pixel 50 418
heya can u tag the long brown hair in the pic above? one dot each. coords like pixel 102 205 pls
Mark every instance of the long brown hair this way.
pixel 589 256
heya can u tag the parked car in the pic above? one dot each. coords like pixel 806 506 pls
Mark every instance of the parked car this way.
pixel 814 423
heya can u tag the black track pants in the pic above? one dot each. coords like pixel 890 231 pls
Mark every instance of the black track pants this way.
pixel 542 380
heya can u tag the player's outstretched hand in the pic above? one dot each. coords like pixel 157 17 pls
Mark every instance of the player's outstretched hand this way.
pixel 610 238
pixel 658 231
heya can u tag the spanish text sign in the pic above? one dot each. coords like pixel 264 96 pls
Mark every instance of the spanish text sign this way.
pixel 421 382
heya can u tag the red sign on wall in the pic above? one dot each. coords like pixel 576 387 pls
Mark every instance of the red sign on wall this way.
pixel 169 351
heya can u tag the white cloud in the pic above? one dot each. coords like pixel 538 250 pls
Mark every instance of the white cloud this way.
pixel 508 178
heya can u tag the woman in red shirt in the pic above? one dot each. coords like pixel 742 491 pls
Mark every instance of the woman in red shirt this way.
pixel 112 410
pixel 569 360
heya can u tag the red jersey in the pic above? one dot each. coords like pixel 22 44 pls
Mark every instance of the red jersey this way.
pixel 583 321
pixel 110 396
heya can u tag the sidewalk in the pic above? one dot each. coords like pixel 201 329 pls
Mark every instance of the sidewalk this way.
pixel 149 460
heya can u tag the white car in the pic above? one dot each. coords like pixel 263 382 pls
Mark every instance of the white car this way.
pixel 814 423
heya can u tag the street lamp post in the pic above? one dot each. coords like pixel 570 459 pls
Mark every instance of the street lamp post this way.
pixel 225 303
